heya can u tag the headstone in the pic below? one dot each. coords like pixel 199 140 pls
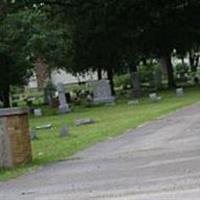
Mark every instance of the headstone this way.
pixel 64 131
pixel 33 134
pixel 49 92
pixel 37 112
pixel 45 126
pixel 179 92
pixel 81 122
pixel 157 75
pixel 136 84
pixel 102 92
pixel 154 98
pixel 133 102
pixel 63 105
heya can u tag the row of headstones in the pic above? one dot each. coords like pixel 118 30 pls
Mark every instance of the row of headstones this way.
pixel 101 94
pixel 154 97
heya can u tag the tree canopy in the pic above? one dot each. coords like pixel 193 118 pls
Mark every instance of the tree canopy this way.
pixel 82 35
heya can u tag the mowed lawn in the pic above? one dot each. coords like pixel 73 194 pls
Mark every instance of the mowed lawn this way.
pixel 110 122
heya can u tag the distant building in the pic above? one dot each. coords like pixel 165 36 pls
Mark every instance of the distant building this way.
pixel 61 76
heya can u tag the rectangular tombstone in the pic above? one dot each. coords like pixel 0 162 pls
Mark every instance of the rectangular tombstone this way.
pixel 102 92
pixel 179 92
pixel 154 98
pixel 37 112
pixel 15 146
pixel 136 84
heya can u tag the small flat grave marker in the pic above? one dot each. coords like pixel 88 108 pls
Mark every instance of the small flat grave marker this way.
pixel 133 102
pixel 82 122
pixel 45 126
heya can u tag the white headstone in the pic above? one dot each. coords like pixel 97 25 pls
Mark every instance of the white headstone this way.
pixel 63 105
pixel 179 92
pixel 37 112
pixel 133 102
pixel 154 98
pixel 102 92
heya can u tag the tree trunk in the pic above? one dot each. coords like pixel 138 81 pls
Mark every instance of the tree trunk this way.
pixel 6 97
pixel 136 82
pixel 42 73
pixel 144 60
pixel 163 66
pixel 110 78
pixel 191 59
pixel 99 73
pixel 194 61
pixel 170 71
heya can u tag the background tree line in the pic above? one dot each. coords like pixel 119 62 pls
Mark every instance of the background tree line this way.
pixel 97 35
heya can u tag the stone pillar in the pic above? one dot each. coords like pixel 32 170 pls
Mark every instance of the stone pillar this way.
pixel 15 145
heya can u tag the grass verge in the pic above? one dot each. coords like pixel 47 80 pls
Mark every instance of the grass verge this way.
pixel 110 122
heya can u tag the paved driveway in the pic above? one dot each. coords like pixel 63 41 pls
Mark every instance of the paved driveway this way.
pixel 160 160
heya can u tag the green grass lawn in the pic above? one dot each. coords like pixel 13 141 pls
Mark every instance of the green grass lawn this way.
pixel 110 122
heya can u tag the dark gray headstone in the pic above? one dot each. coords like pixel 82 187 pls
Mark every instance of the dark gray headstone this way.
pixel 64 131
pixel 33 134
pixel 158 79
pixel 136 84
pixel 102 92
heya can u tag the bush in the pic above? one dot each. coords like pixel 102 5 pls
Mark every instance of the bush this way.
pixel 150 73
pixel 123 81
pixel 182 72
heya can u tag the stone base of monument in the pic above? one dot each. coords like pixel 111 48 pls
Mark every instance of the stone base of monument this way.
pixel 103 100
pixel 15 145
pixel 64 109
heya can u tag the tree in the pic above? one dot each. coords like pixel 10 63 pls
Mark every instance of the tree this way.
pixel 104 32
pixel 15 64
pixel 169 25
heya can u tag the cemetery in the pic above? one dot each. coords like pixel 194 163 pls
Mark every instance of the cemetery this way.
pixel 99 99
pixel 84 126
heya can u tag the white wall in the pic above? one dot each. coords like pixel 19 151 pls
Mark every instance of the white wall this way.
pixel 66 78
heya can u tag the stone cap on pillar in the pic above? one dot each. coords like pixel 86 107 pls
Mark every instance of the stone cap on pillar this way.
pixel 4 112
